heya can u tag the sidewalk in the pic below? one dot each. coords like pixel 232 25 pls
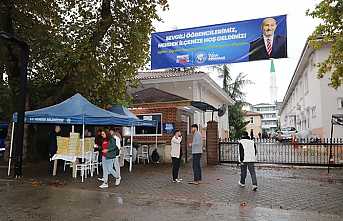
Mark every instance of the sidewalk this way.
pixel 148 194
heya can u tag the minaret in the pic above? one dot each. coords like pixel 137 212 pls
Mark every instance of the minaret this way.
pixel 273 87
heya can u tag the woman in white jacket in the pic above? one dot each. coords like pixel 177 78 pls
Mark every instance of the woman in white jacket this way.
pixel 176 155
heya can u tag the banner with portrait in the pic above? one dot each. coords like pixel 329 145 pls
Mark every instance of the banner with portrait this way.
pixel 249 40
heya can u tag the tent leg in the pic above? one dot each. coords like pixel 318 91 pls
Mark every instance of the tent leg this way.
pixel 131 148
pixel 11 148
pixel 156 136
pixel 73 129
pixel 83 148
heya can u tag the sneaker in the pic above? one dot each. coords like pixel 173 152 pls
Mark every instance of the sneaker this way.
pixel 104 185
pixel 254 187
pixel 101 179
pixel 194 183
pixel 118 181
pixel 241 184
pixel 174 181
pixel 178 180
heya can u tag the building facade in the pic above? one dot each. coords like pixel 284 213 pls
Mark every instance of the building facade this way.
pixel 194 86
pixel 270 116
pixel 255 123
pixel 309 102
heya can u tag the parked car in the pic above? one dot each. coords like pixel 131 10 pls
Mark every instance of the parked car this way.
pixel 286 134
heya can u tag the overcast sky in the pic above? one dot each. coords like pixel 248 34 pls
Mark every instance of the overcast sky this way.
pixel 192 13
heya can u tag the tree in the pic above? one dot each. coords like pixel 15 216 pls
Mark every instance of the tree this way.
pixel 329 32
pixel 235 91
pixel 236 120
pixel 94 47
pixel 226 78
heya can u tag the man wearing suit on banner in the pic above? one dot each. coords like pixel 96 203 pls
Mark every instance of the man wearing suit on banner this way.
pixel 268 45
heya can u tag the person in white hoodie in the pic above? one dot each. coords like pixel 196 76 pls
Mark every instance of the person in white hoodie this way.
pixel 247 157
pixel 176 155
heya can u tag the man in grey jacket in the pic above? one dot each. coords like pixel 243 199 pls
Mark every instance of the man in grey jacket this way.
pixel 196 153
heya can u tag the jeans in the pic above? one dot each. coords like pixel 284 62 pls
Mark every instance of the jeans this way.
pixel 197 167
pixel 175 167
pixel 117 167
pixel 252 172
pixel 107 167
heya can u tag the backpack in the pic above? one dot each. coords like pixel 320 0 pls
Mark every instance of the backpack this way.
pixel 155 157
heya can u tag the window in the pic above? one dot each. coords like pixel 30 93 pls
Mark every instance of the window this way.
pixel 313 112
pixel 340 103
pixel 301 88
pixel 149 131
pixel 251 120
pixel 306 82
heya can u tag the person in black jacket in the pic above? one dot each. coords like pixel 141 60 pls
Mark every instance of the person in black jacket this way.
pixel 98 142
pixel 247 157
pixel 53 145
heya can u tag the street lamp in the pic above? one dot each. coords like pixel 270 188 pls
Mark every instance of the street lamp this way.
pixel 24 57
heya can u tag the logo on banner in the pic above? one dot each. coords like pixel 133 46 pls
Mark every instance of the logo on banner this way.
pixel 182 59
pixel 200 58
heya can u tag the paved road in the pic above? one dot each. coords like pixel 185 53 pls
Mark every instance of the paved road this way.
pixel 148 194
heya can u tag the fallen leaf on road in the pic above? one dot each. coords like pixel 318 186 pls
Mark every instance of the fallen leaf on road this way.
pixel 56 183
pixel 243 204
pixel 36 183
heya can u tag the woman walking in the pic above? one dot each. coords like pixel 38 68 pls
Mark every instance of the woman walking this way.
pixel 176 155
pixel 109 152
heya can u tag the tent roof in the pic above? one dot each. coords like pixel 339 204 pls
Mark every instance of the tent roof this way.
pixel 76 110
pixel 118 109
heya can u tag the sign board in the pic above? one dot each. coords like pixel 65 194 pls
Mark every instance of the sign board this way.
pixel 168 128
pixel 250 40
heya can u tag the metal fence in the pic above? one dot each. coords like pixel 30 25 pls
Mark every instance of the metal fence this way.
pixel 300 152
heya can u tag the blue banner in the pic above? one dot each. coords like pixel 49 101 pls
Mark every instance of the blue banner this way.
pixel 233 42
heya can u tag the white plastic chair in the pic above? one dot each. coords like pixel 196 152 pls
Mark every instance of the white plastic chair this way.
pixel 144 154
pixel 95 163
pixel 86 166
pixel 67 163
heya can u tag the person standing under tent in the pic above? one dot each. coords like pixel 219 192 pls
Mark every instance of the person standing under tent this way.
pixel 109 152
pixel 247 157
pixel 98 143
pixel 196 154
pixel 176 155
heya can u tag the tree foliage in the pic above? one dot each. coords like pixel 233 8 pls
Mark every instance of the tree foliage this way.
pixel 236 120
pixel 329 32
pixel 235 88
pixel 93 47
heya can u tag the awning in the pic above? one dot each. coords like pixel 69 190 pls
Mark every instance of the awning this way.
pixel 203 106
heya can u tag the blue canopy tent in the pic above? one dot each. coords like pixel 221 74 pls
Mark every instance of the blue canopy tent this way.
pixel 77 110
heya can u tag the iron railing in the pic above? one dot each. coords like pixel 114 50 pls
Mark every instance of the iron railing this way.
pixel 299 152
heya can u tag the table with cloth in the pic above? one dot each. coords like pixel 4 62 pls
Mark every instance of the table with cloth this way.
pixel 70 149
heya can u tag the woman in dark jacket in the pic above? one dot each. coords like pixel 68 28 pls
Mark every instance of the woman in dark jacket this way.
pixel 109 151
pixel 98 143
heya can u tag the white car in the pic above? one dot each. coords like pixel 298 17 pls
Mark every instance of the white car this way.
pixel 286 134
